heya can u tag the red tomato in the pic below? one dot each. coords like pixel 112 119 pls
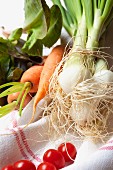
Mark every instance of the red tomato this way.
pixel 55 157
pixel 68 150
pixel 46 166
pixel 8 167
pixel 24 165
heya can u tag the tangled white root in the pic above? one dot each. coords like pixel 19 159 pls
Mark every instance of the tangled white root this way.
pixel 85 111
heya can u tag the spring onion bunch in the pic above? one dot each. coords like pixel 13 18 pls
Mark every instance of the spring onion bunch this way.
pixel 82 85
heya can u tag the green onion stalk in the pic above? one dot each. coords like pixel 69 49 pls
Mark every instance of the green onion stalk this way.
pixel 85 21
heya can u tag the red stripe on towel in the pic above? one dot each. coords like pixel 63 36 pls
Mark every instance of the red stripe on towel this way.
pixel 110 141
pixel 19 144
pixel 27 146
pixel 106 148
pixel 14 122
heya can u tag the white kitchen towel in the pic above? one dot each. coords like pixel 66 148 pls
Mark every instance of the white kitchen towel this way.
pixel 17 142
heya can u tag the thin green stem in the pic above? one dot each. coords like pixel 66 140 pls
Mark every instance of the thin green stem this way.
pixel 4 110
pixel 75 8
pixel 10 84
pixel 23 99
pixel 81 35
pixel 99 25
pixel 12 89
pixel 95 5
pixel 102 5
pixel 68 22
pixel 107 9
pixel 94 33
pixel 88 8
pixel 107 22
pixel 99 3
pixel 26 85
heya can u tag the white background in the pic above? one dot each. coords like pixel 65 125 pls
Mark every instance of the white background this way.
pixel 12 13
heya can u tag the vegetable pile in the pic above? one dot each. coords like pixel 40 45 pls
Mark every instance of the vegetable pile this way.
pixel 77 78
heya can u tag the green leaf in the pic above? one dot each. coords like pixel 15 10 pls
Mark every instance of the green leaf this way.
pixel 54 30
pixel 4 67
pixel 2 40
pixel 6 61
pixel 46 12
pixel 33 46
pixel 15 35
pixel 15 74
pixel 39 29
pixel 41 25
pixel 4 44
pixel 69 22
pixel 3 48
pixel 34 15
pixel 36 25
pixel 35 21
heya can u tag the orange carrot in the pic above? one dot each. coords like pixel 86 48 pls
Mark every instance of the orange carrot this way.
pixel 49 67
pixel 32 75
pixel 13 97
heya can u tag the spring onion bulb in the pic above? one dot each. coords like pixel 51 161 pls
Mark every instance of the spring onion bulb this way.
pixel 85 109
pixel 102 74
pixel 73 73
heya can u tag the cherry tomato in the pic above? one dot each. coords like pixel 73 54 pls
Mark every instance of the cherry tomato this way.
pixel 24 165
pixel 8 167
pixel 55 157
pixel 68 150
pixel 46 166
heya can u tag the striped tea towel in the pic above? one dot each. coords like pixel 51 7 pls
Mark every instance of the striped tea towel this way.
pixel 17 142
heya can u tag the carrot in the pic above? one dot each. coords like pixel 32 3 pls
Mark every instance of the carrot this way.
pixel 32 75
pixel 14 97
pixel 50 64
